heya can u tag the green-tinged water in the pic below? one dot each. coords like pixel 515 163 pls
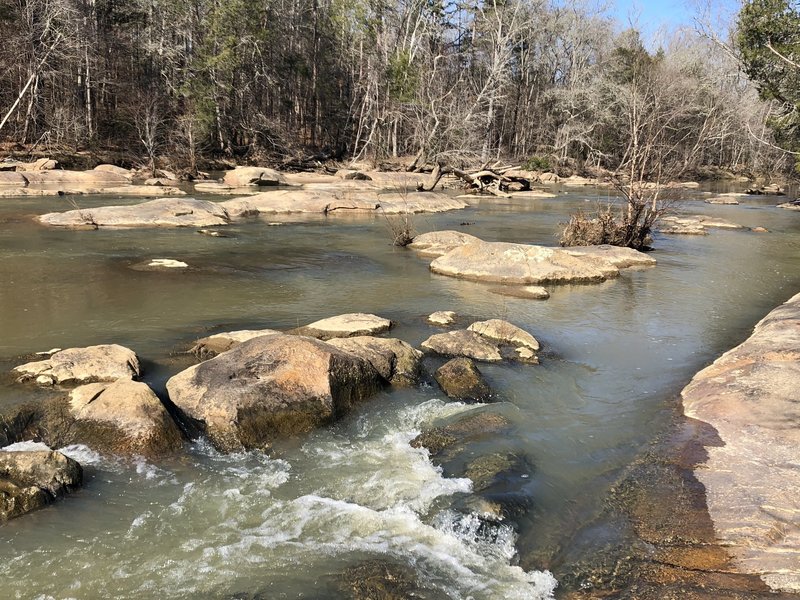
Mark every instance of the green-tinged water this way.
pixel 204 525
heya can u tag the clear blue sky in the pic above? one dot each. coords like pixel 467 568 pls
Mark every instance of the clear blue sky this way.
pixel 652 15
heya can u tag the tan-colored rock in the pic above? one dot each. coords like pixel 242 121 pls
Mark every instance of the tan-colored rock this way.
pixel 321 202
pixel 504 332
pixel 751 477
pixel 32 479
pixel 529 292
pixel 721 200
pixel 343 326
pixel 210 346
pixel 442 317
pixel 790 205
pixel 501 262
pixel 42 164
pixel 695 224
pixel 549 178
pixel 126 173
pixel 260 176
pixel 418 202
pixel 397 362
pixel 13 178
pixel 163 212
pixel 38 192
pixel 106 362
pixel 92 179
pixel 271 386
pixel 439 243
pixel 533 194
pixel 463 343
pixel 216 187
pixel 123 417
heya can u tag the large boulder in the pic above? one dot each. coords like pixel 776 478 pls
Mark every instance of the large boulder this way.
pixel 523 264
pixel 752 472
pixel 271 386
pixel 259 176
pixel 461 380
pixel 210 346
pixel 120 171
pixel 123 417
pixel 105 362
pixel 504 332
pixel 463 343
pixel 31 479
pixel 444 442
pixel 396 361
pixel 343 326
pixel 162 212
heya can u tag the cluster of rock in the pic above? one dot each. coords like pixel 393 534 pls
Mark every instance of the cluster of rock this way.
pixel 694 225
pixel 252 387
pixel 793 205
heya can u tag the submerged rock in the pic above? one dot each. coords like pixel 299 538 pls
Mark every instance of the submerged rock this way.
pixel 529 292
pixel 446 441
pixel 347 325
pixel 269 386
pixel 31 479
pixel 749 395
pixel 461 380
pixel 163 212
pixel 380 580
pixel 210 346
pixel 463 343
pixel 396 361
pixel 794 205
pixel 106 362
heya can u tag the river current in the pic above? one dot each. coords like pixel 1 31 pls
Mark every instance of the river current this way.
pixel 207 525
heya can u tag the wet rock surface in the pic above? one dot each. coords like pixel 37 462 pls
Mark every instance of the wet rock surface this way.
pixel 463 343
pixel 397 362
pixel 29 480
pixel 275 385
pixel 442 318
pixel 105 362
pixel 461 380
pixel 210 346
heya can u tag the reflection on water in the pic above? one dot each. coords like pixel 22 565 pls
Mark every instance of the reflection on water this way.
pixel 205 525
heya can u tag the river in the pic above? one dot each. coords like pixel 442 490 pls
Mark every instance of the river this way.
pixel 206 525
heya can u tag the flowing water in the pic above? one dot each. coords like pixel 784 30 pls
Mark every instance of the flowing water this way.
pixel 206 525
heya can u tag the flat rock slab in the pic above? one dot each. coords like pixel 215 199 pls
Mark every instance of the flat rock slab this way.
pixel 160 264
pixel 211 345
pixel 397 362
pixel 163 212
pixel 790 205
pixel 501 262
pixel 343 326
pixel 106 362
pixel 528 292
pixel 91 179
pixel 418 202
pixel 463 343
pixel 270 386
pixel 695 225
pixel 31 479
pixel 320 202
pixel 722 200
pixel 750 396
pixel 124 417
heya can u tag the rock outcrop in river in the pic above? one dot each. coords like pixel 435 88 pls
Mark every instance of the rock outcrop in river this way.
pixel 162 212
pixel 105 362
pixel 32 479
pixel 467 257
pixel 271 386
pixel 750 396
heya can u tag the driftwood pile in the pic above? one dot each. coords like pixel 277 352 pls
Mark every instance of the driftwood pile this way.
pixel 497 179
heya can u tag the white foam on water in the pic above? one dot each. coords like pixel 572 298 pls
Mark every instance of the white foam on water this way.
pixel 26 447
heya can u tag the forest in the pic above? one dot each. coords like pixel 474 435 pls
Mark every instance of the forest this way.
pixel 552 85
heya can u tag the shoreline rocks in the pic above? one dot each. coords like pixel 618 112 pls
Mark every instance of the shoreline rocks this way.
pixel 749 395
